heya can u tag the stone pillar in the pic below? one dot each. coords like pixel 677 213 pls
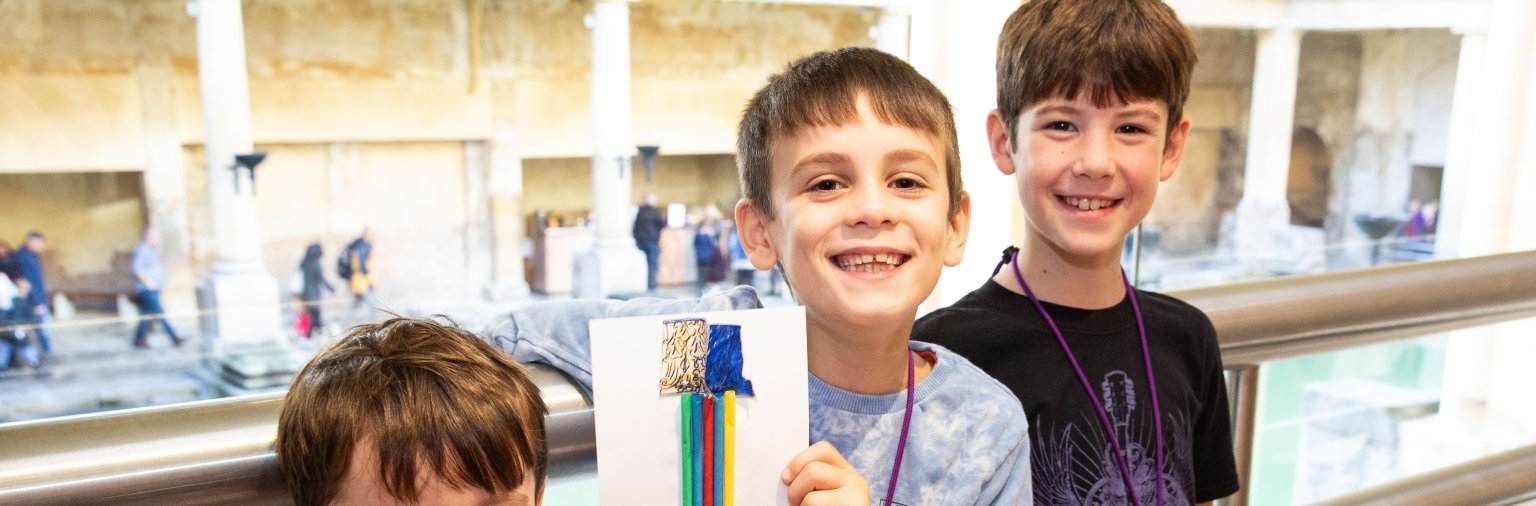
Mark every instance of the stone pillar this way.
pixel 479 256
pixel 1461 152
pixel 892 32
pixel 165 185
pixel 507 220
pixel 1493 114
pixel 1523 210
pixel 1264 232
pixel 926 31
pixel 1486 174
pixel 1464 391
pixel 240 297
pixel 614 265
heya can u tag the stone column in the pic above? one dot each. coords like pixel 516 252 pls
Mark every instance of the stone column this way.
pixel 1487 166
pixel 240 297
pixel 926 31
pixel 1523 210
pixel 165 185
pixel 479 255
pixel 892 33
pixel 1486 173
pixel 1461 154
pixel 1264 233
pixel 507 220
pixel 614 265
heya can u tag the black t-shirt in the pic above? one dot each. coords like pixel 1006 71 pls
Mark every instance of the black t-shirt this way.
pixel 1071 457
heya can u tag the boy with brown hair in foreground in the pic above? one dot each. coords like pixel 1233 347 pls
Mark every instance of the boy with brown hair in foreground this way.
pixel 411 411
pixel 1123 387
pixel 851 185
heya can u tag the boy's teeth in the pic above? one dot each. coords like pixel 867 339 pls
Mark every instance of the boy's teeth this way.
pixel 1087 204
pixel 869 262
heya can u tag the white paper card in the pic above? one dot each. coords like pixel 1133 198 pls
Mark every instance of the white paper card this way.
pixel 639 454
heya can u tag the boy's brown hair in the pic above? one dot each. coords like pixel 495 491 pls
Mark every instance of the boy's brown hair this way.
pixel 423 393
pixel 823 89
pixel 1112 50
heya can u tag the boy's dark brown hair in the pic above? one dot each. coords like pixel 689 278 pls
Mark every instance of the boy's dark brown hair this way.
pixel 423 393
pixel 823 89
pixel 1112 50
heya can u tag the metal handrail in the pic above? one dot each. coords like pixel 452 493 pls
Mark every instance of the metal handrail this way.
pixel 1273 319
pixel 1262 321
pixel 1488 480
pixel 212 452
pixel 219 451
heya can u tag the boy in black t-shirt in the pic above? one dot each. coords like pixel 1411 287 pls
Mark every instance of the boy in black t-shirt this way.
pixel 1123 388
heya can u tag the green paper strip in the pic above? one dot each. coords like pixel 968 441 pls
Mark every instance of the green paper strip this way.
pixel 687 437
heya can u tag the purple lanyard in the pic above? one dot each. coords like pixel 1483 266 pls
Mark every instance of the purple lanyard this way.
pixel 901 446
pixel 1157 413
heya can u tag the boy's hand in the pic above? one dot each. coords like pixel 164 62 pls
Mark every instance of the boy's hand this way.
pixel 820 476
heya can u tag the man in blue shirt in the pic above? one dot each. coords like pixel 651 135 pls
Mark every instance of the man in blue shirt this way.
pixel 148 278
pixel 32 269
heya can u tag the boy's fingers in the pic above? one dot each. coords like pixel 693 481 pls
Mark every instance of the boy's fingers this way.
pixel 822 451
pixel 814 476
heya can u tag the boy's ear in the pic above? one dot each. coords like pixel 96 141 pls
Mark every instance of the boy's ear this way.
pixel 752 229
pixel 1173 152
pixel 997 140
pixel 959 230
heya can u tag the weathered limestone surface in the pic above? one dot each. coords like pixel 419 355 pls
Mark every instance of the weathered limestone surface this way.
pixel 365 107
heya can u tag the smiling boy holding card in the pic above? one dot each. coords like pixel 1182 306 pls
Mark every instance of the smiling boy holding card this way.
pixel 851 184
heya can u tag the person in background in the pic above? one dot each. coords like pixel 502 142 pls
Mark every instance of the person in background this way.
pixel 740 264
pixel 359 257
pixel 314 280
pixel 29 262
pixel 706 247
pixel 8 260
pixel 148 278
pixel 647 233
pixel 14 316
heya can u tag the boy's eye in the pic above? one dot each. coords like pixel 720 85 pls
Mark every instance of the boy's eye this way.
pixel 825 185
pixel 1130 129
pixel 905 183
pixel 1059 125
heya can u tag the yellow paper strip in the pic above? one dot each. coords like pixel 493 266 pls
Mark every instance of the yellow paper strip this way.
pixel 730 447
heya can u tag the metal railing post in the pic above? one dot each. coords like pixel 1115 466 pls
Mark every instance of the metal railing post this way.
pixel 1245 400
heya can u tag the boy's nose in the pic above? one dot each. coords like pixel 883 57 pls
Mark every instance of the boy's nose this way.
pixel 1096 159
pixel 870 207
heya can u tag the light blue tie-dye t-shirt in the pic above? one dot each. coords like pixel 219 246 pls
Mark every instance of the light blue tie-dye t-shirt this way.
pixel 967 443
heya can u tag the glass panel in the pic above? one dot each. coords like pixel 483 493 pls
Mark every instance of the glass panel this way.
pixel 1366 155
pixel 1335 423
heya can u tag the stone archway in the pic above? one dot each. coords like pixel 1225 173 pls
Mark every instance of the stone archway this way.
pixel 1309 184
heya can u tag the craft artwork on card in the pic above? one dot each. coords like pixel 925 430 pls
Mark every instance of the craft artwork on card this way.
pixel 699 409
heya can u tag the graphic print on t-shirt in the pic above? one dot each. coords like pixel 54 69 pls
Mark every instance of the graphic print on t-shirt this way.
pixel 1076 465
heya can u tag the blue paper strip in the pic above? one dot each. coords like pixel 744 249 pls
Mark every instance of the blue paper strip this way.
pixel 720 453
pixel 722 369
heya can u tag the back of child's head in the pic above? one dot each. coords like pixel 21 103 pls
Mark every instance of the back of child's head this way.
pixel 1107 50
pixel 823 89
pixel 430 399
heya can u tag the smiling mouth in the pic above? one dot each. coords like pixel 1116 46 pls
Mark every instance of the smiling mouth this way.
pixel 1089 204
pixel 869 262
